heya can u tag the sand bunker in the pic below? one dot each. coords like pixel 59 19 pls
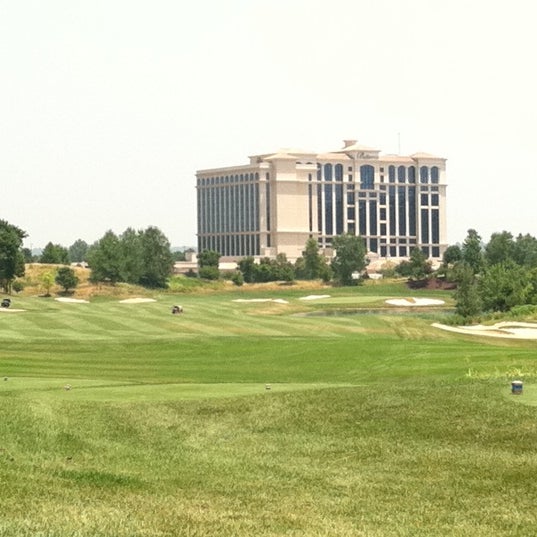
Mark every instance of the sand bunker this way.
pixel 505 329
pixel 136 300
pixel 412 302
pixel 314 297
pixel 74 300
pixel 9 310
pixel 277 300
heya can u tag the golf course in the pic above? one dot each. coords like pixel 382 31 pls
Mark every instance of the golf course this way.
pixel 262 411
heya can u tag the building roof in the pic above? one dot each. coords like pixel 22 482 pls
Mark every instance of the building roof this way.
pixel 425 156
pixel 280 156
pixel 397 158
pixel 332 156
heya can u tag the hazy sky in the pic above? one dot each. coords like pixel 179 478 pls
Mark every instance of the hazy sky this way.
pixel 108 107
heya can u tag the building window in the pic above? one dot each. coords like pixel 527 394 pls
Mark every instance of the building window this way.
pixel 402 210
pixel 391 174
pixel 373 218
pixel 339 172
pixel 424 226
pixel 367 176
pixel 401 174
pixel 412 175
pixel 362 217
pixel 435 226
pixel 328 172
pixel 434 175
pixel 424 174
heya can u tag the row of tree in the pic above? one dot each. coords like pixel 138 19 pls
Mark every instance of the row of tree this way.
pixel 495 276
pixel 139 257
pixel 345 268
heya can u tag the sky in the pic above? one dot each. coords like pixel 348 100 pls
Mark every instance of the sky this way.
pixel 108 107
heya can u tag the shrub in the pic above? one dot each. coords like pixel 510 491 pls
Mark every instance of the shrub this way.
pixel 17 286
pixel 237 279
pixel 209 273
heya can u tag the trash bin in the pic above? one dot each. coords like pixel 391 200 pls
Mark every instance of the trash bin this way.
pixel 516 387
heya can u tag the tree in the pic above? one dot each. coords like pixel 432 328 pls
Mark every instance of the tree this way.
pixel 472 251
pixel 105 260
pixel 505 285
pixel 282 269
pixel 417 267
pixel 350 258
pixel 452 254
pixel 66 278
pixel 130 246
pixel 54 254
pixel 208 258
pixel 156 258
pixel 78 251
pixel 27 255
pixel 467 298
pixel 208 261
pixel 313 260
pixel 11 256
pixel 47 281
pixel 247 267
pixel 525 250
pixel 500 248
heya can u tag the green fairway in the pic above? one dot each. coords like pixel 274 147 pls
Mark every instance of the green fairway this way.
pixel 335 416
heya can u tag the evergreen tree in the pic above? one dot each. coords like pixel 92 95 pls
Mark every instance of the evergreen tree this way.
pixel 472 251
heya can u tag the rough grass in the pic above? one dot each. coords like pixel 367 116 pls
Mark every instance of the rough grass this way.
pixel 375 424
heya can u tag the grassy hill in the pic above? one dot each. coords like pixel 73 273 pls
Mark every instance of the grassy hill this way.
pixel 335 416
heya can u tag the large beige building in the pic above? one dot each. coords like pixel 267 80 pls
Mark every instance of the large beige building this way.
pixel 277 201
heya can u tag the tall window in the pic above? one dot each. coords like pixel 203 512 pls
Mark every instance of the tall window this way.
pixel 391 174
pixel 402 210
pixel 424 174
pixel 411 174
pixel 339 172
pixel 367 176
pixel 434 175
pixel 328 172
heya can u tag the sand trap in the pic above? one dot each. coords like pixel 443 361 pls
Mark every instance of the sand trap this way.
pixel 505 329
pixel 74 300
pixel 314 297
pixel 412 302
pixel 9 310
pixel 136 300
pixel 277 300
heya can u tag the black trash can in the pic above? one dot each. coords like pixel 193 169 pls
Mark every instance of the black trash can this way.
pixel 516 387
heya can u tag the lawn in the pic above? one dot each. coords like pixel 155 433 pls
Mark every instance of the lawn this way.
pixel 261 418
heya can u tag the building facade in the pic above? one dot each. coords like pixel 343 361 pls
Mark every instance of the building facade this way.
pixel 279 200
